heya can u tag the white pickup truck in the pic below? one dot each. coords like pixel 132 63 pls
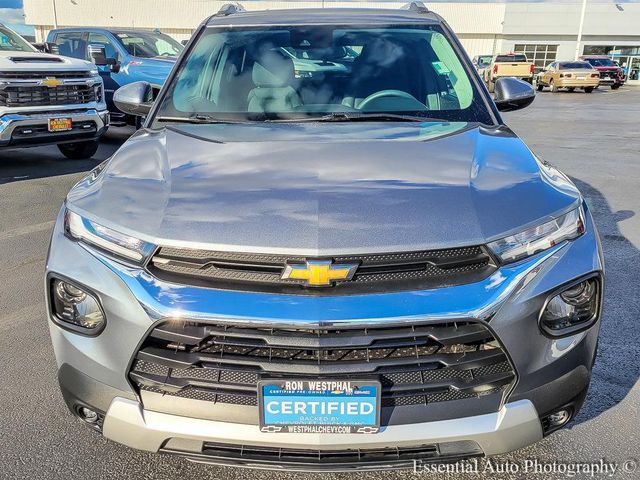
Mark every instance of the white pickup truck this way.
pixel 47 99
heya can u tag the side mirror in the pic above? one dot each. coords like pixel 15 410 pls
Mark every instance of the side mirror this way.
pixel 98 54
pixel 135 98
pixel 50 47
pixel 513 94
pixel 114 65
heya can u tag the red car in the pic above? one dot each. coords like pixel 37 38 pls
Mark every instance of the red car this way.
pixel 610 73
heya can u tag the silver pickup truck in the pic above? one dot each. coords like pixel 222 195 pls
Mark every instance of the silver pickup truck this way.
pixel 48 99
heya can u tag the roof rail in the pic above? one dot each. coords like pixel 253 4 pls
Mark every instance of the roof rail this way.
pixel 418 7
pixel 230 9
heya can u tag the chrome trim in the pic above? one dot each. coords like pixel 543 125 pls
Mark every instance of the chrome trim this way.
pixel 78 113
pixel 514 426
pixel 41 82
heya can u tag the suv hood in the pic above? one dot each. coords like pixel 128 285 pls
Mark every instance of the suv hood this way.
pixel 323 189
pixel 11 61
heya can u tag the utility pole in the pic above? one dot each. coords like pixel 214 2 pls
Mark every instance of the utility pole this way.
pixel 55 14
pixel 580 27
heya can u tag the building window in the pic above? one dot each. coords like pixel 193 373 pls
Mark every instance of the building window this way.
pixel 540 55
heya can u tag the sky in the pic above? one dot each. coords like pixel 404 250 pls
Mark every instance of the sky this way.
pixel 11 14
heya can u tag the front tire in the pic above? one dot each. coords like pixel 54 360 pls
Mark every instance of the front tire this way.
pixel 79 150
pixel 554 88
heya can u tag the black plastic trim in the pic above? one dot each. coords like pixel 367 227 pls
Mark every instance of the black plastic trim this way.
pixel 51 276
pixel 581 327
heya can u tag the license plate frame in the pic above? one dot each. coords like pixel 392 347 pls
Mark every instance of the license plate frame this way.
pixel 63 124
pixel 319 422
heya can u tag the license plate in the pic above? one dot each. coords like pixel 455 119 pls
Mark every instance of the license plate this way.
pixel 580 78
pixel 60 124
pixel 319 406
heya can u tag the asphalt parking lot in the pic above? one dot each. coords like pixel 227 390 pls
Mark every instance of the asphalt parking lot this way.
pixel 593 138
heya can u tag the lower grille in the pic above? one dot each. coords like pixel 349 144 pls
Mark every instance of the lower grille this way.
pixel 416 365
pixel 321 460
pixel 13 96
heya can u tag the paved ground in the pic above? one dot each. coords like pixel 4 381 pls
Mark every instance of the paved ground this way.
pixel 594 138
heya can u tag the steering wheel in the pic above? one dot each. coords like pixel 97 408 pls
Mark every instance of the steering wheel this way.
pixel 391 100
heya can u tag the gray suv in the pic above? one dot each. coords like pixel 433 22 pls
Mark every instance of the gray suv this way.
pixel 345 268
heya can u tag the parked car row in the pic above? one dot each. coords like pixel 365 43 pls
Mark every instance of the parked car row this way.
pixel 63 94
pixel 587 73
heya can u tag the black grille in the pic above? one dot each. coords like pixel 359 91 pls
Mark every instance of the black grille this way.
pixel 13 96
pixel 376 272
pixel 25 75
pixel 331 460
pixel 416 365
pixel 609 73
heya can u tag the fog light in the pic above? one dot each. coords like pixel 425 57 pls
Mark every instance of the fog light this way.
pixel 572 310
pixel 88 415
pixel 76 307
pixel 559 418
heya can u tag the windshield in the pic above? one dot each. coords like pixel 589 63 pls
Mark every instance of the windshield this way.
pixel 484 60
pixel 575 66
pixel 289 73
pixel 601 62
pixel 511 58
pixel 149 44
pixel 10 40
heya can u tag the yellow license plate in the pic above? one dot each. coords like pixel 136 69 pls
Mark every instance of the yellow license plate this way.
pixel 60 124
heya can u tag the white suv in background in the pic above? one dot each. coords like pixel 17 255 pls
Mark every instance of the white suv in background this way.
pixel 48 99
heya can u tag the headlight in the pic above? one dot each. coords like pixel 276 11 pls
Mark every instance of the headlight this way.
pixel 94 72
pixel 115 243
pixel 539 238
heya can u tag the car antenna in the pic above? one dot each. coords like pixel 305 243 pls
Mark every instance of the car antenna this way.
pixel 418 7
pixel 230 9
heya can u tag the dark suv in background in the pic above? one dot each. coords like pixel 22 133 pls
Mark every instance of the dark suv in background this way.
pixel 610 72
pixel 131 56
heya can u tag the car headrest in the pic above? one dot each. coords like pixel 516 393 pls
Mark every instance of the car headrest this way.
pixel 273 70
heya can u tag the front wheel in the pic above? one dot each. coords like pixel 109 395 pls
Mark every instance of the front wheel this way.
pixel 79 150
pixel 554 87
pixel 588 89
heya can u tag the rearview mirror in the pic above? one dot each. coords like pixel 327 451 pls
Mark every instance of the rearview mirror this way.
pixel 135 98
pixel 513 94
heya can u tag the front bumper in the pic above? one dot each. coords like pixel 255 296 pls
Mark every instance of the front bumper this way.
pixel 568 82
pixel 551 372
pixel 29 127
pixel 514 426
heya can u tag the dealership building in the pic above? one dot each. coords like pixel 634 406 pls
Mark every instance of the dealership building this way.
pixel 544 31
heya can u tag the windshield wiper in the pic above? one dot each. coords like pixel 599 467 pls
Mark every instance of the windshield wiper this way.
pixel 196 119
pixel 362 117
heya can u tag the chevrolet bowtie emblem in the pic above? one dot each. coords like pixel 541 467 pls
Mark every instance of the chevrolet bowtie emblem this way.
pixel 51 82
pixel 319 273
